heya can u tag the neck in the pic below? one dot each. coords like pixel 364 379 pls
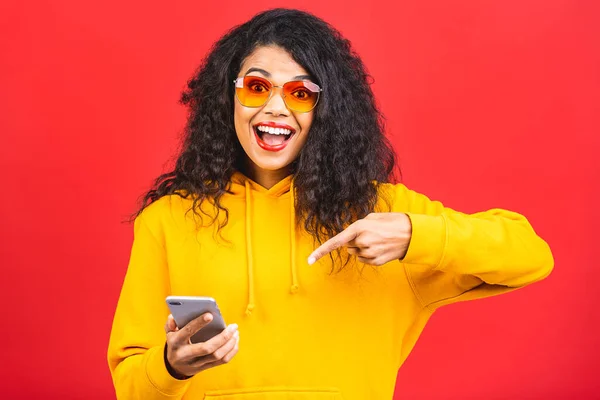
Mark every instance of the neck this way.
pixel 265 178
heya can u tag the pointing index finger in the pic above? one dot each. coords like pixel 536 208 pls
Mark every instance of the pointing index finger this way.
pixel 335 242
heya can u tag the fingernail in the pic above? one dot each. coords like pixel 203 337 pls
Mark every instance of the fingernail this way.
pixel 311 260
pixel 236 334
pixel 232 328
pixel 207 317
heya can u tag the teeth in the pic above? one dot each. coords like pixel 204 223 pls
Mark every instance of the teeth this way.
pixel 273 131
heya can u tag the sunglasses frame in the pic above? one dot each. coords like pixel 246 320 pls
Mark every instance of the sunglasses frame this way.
pixel 311 85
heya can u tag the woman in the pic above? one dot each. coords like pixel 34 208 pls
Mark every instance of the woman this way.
pixel 284 163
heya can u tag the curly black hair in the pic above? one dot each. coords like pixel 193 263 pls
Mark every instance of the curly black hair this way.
pixel 346 155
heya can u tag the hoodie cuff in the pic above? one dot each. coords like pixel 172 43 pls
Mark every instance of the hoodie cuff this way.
pixel 159 377
pixel 428 240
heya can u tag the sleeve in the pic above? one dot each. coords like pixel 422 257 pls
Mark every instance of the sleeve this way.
pixel 454 257
pixel 137 340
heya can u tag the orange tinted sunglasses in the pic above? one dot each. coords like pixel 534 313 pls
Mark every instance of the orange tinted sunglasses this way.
pixel 255 91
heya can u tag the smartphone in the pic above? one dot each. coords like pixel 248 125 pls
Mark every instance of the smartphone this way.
pixel 186 308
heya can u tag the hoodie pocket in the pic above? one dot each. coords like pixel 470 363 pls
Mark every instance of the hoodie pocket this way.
pixel 275 393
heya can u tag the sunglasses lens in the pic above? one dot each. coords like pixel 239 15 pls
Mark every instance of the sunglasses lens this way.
pixel 253 91
pixel 301 96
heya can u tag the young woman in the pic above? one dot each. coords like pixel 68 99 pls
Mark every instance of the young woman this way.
pixel 280 208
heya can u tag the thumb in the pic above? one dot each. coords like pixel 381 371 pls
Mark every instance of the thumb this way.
pixel 171 325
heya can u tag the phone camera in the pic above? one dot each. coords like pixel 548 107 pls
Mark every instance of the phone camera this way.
pixel 175 303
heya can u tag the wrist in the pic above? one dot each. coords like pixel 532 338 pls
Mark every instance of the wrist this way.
pixel 406 235
pixel 170 368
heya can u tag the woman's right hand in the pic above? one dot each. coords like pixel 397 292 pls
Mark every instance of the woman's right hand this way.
pixel 187 359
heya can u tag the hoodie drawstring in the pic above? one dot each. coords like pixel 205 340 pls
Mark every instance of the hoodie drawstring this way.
pixel 250 306
pixel 294 270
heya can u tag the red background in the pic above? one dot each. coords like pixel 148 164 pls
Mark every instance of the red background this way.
pixel 489 104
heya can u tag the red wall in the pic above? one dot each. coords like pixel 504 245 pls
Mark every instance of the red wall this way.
pixel 490 104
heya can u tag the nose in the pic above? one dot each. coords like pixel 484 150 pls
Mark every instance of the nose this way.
pixel 276 105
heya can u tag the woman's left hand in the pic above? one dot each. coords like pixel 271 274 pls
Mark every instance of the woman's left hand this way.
pixel 376 239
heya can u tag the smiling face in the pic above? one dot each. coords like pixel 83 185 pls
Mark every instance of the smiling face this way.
pixel 271 135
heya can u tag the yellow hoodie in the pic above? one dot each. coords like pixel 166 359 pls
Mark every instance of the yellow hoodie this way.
pixel 305 333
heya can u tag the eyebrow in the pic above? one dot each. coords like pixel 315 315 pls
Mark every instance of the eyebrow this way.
pixel 268 75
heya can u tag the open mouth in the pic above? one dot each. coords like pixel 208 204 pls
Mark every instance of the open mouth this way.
pixel 272 136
